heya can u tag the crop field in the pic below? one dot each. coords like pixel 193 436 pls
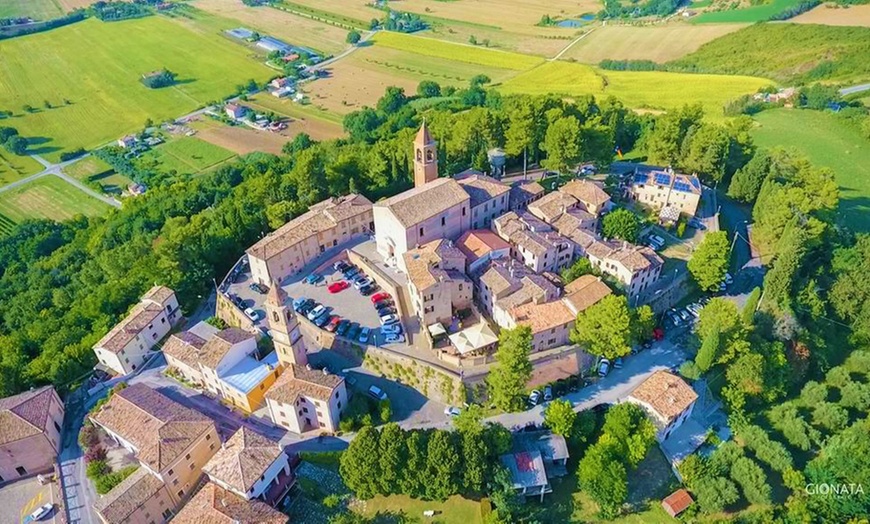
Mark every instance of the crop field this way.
pixel 638 90
pixel 47 197
pixel 186 155
pixel 38 9
pixel 95 67
pixel 756 13
pixel 657 43
pixel 86 168
pixel 291 28
pixel 69 5
pixel 828 141
pixel 826 14
pixel 541 45
pixel 456 52
pixel 14 167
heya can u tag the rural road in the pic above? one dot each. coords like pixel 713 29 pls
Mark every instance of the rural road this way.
pixel 344 53
pixel 569 46
pixel 57 170
pixel 854 89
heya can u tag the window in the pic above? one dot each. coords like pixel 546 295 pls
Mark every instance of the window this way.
pixel 180 493
pixel 281 414
pixel 191 466
pixel 421 231
pixel 319 414
pixel 211 446
pixel 187 457
pixel 322 425
pixel 163 320
pixel 174 482
pixel 147 514
pixel 463 211
pixel 56 425
pixel 336 394
pixel 167 513
pixel 305 410
pixel 339 407
pixel 21 471
pixel 170 472
pixel 208 437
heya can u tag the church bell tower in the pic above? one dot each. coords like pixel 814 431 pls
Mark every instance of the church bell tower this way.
pixel 285 328
pixel 425 157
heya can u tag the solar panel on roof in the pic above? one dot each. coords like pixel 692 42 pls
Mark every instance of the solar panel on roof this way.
pixel 682 186
pixel 663 179
pixel 695 182
pixel 640 178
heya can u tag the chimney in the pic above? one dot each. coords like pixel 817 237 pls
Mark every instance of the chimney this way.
pixel 325 371
pixel 223 502
pixel 625 244
pixel 308 367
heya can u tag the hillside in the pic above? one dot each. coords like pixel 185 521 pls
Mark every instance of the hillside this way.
pixel 786 52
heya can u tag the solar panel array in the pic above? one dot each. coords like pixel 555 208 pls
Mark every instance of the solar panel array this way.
pixel 663 179
pixel 640 178
pixel 695 182
pixel 682 186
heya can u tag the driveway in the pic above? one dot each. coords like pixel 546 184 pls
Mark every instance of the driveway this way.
pixel 19 499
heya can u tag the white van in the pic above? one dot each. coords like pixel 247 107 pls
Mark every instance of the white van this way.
pixel 377 393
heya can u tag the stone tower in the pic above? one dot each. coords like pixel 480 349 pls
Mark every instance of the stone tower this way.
pixel 285 328
pixel 425 157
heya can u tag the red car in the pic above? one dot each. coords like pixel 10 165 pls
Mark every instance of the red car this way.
pixel 335 287
pixel 380 296
pixel 333 324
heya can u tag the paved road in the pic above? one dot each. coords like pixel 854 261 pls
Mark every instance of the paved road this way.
pixel 854 89
pixel 78 491
pixel 57 170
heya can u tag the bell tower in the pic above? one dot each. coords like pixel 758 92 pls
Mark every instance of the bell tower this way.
pixel 285 328
pixel 425 157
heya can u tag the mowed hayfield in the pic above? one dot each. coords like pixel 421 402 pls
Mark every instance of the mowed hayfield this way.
pixel 14 167
pixel 659 43
pixel 37 9
pixel 96 66
pixel 828 141
pixel 48 197
pixel 298 30
pixel 828 14
pixel 86 168
pixel 638 90
pixel 186 155
pixel 456 52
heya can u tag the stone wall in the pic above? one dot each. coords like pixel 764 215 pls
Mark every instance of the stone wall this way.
pixel 232 315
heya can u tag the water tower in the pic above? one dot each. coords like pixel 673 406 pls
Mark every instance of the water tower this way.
pixel 497 160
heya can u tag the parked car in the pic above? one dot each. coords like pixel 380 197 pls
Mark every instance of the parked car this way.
pixel 395 338
pixel 350 272
pixel 657 239
pixel 548 393
pixel 41 512
pixel 535 397
pixel 363 282
pixel 364 335
pixel 684 315
pixel 341 265
pixel 368 290
pixel 342 327
pixel 353 331
pixel 319 310
pixel 337 287
pixel 377 393
pixel 382 304
pixel 322 320
pixel 252 314
pixel 332 325
pixel 452 411
pixel 617 364
pixel 391 329
pixel 298 302
pixel 728 279
pixel 307 306
pixel 381 297
pixel 313 278
pixel 386 310
pixel 603 367
pixel 389 319
pixel 259 288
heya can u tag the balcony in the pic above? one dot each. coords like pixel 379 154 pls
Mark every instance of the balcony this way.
pixel 278 488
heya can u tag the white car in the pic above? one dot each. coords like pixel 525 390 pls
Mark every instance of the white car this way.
pixel 41 512
pixel 396 338
pixel 377 393
pixel 392 329
pixel 252 314
pixel 451 411
pixel 728 279
pixel 603 367
pixel 316 312
pixel 389 319
pixel 535 397
pixel 359 284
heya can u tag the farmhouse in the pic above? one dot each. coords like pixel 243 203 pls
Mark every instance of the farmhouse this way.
pixel 235 111
pixel 668 400
pixel 127 141
pixel 659 188
pixel 304 399
pixel 129 343
pixel 271 44
pixel 325 225
pixel 30 426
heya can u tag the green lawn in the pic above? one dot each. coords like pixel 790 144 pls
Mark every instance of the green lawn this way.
pixel 756 13
pixel 38 9
pixel 186 155
pixel 47 197
pixel 86 168
pixel 828 141
pixel 96 67
pixel 455 510
pixel 13 167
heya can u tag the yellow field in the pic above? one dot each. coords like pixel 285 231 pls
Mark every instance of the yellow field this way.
pixel 638 90
pixel 280 24
pixel 856 15
pixel 456 52
pixel 657 43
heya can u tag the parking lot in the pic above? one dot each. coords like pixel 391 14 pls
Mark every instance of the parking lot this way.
pixel 21 498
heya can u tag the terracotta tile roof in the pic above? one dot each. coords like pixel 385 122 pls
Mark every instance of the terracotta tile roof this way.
pixel 217 347
pixel 533 288
pixel 184 346
pixel 677 502
pixel 589 193
pixel 522 194
pixel 299 380
pixel 320 217
pixel 552 205
pixel 573 226
pixel 243 459
pixel 418 204
pixel 25 415
pixel 479 242
pixel 424 264
pixel 214 505
pixel 637 258
pixel 542 317
pixel 585 292
pixel 482 188
pixel 160 428
pixel 666 393
pixel 140 317
pixel 528 232
pixel 159 294
pixel 503 275
pixel 128 496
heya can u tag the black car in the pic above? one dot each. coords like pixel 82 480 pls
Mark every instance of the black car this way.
pixel 342 328
pixel 380 304
pixel 350 271
pixel 368 290
pixel 307 306
pixel 341 266
pixel 387 310
pixel 259 288
pixel 322 320
pixel 353 331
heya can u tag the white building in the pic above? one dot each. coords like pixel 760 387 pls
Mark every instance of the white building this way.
pixel 636 267
pixel 304 399
pixel 126 347
pixel 437 281
pixel 489 198
pixel 534 242
pixel 668 400
pixel 659 188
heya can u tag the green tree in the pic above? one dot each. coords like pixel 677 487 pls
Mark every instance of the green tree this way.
pixel 428 89
pixel 643 322
pixel 17 145
pixel 709 263
pixel 559 416
pixel 720 316
pixel 746 182
pixel 752 480
pixel 474 469
pixel 665 142
pixel 353 37
pixel 508 377
pixel 300 143
pixel 520 133
pixel 709 351
pixel 442 466
pixel 605 328
pixel 621 224
pixel 470 420
pixel 580 267
pixel 562 144
pixel 393 457
pixel 359 466
pixel 628 425
pixel 412 479
pixel 714 494
pixel 361 124
pixel 705 151
pixel 603 476
pixel 747 315
pixel 393 100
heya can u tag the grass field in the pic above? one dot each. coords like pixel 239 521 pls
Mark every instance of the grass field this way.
pixel 657 43
pixel 86 168
pixel 47 197
pixel 96 67
pixel 14 167
pixel 186 155
pixel 460 53
pixel 291 28
pixel 756 13
pixel 827 14
pixel 827 141
pixel 38 9
pixel 455 510
pixel 638 90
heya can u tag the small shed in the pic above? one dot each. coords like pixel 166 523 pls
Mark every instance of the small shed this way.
pixel 677 502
